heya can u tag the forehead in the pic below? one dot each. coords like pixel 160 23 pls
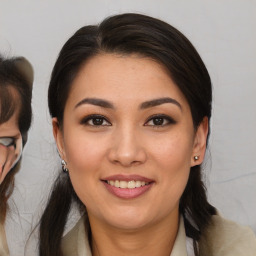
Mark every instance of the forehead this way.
pixel 9 103
pixel 132 76
pixel 10 127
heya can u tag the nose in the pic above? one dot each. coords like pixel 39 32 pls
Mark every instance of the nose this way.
pixel 127 149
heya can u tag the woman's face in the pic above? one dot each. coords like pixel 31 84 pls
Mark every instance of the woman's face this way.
pixel 10 145
pixel 128 140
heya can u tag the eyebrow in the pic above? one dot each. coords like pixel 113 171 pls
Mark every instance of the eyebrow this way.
pixel 144 105
pixel 160 101
pixel 96 102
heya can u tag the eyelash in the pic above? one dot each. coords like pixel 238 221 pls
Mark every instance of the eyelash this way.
pixel 92 118
pixel 164 121
pixel 167 120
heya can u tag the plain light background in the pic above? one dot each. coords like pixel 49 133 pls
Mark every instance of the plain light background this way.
pixel 223 32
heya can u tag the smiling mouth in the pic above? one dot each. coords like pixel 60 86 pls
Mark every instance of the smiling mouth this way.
pixel 127 184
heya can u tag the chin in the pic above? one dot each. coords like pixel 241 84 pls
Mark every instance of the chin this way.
pixel 128 220
pixel 128 225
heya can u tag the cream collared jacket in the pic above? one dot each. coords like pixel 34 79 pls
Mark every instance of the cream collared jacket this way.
pixel 3 243
pixel 222 238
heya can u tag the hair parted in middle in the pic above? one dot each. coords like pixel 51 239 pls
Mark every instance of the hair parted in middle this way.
pixel 127 34
pixel 16 74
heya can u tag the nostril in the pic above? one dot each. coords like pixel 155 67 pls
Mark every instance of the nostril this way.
pixel 127 152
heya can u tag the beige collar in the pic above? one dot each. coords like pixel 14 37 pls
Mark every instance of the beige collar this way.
pixel 179 247
pixel 76 242
pixel 3 243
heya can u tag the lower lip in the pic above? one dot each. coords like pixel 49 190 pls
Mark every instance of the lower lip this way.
pixel 128 193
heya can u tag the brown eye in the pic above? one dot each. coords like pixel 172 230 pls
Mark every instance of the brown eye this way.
pixel 160 120
pixel 96 120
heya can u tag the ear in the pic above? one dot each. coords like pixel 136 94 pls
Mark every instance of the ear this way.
pixel 200 140
pixel 58 135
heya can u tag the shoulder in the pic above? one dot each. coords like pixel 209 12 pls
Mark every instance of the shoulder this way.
pixel 225 238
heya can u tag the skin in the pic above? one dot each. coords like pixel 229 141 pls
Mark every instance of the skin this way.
pixel 8 154
pixel 129 141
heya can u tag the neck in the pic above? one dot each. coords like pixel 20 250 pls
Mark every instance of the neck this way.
pixel 158 239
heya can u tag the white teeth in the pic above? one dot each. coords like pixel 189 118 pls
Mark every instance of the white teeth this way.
pixel 131 184
pixel 127 184
pixel 137 184
pixel 117 184
pixel 122 184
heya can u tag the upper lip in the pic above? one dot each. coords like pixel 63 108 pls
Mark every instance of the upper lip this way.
pixel 128 178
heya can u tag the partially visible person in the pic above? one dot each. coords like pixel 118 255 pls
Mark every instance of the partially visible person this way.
pixel 16 80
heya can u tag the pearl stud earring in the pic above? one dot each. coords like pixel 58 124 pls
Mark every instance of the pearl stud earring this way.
pixel 196 158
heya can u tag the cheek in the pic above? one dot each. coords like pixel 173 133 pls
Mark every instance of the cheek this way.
pixel 84 160
pixel 172 159
pixel 83 153
pixel 173 152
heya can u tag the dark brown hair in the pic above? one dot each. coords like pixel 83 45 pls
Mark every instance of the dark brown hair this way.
pixel 148 37
pixel 15 74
